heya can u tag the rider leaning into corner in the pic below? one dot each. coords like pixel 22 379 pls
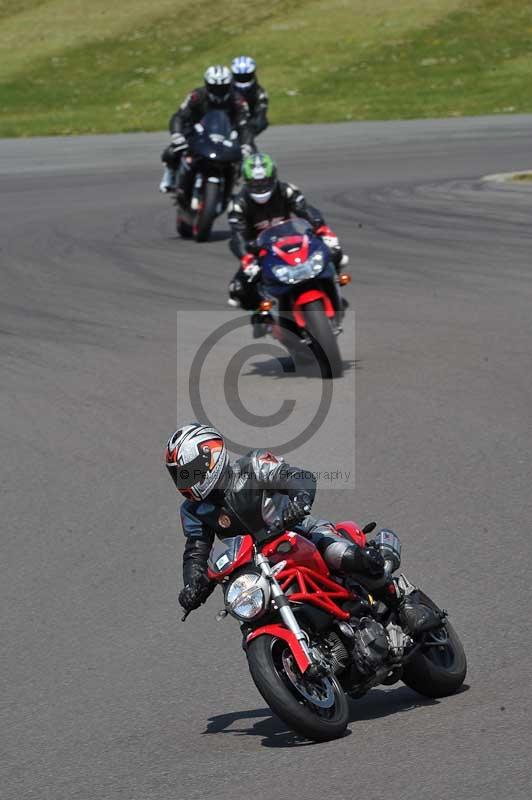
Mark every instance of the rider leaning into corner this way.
pixel 227 499
pixel 217 94
pixel 244 71
pixel 265 201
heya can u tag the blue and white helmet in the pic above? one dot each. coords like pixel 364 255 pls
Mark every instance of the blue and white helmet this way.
pixel 243 69
pixel 218 83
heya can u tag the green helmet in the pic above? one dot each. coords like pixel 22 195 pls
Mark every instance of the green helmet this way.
pixel 260 176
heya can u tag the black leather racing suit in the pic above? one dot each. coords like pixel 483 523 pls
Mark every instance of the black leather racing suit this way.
pixel 248 219
pixel 250 501
pixel 257 99
pixel 194 108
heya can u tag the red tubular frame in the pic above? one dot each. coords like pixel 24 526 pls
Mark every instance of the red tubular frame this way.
pixel 315 589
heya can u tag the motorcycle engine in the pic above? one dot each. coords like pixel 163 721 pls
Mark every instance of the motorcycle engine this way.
pixel 370 646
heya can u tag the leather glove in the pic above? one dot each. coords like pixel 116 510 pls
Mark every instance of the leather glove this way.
pixel 297 508
pixel 178 142
pixel 195 593
pixel 249 266
pixel 370 560
pixel 245 150
pixel 328 237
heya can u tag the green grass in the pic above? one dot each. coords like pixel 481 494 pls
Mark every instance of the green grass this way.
pixel 87 66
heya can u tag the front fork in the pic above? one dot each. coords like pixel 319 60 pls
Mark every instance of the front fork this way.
pixel 282 604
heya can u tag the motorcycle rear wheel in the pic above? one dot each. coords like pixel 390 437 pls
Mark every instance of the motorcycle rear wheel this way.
pixel 324 341
pixel 315 708
pixel 439 668
pixel 207 213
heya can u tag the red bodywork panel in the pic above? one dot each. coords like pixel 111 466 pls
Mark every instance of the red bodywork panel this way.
pixel 310 297
pixel 298 552
pixel 280 632
pixel 354 532
pixel 294 256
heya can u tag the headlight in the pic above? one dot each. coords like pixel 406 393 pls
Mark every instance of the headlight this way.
pixel 246 596
pixel 317 263
pixel 299 272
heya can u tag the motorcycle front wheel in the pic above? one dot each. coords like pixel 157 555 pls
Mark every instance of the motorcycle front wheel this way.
pixel 324 340
pixel 207 213
pixel 316 708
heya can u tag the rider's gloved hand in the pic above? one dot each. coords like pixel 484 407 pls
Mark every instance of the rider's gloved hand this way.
pixel 245 150
pixel 195 593
pixel 297 508
pixel 330 239
pixel 327 236
pixel 370 560
pixel 178 142
pixel 249 266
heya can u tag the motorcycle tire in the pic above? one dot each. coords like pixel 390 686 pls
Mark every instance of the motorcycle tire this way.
pixel 324 342
pixel 437 670
pixel 207 213
pixel 265 656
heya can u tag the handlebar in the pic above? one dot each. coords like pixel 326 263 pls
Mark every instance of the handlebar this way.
pixel 281 524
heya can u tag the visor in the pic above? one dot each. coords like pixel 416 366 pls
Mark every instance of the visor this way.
pixel 217 91
pixel 261 185
pixel 244 81
pixel 188 475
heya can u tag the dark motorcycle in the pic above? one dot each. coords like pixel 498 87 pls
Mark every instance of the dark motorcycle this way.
pixel 312 637
pixel 300 286
pixel 214 158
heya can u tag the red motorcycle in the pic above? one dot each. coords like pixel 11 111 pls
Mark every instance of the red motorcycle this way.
pixel 312 637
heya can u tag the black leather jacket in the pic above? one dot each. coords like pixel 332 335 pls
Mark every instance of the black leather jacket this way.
pixel 252 498
pixel 257 99
pixel 196 105
pixel 248 219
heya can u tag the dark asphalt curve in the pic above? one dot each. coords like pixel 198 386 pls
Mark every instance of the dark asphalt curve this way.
pixel 105 693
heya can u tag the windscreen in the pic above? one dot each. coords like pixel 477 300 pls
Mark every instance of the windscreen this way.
pixel 292 227
pixel 224 552
pixel 217 123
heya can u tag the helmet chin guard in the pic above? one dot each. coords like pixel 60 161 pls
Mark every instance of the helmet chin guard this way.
pixel 261 197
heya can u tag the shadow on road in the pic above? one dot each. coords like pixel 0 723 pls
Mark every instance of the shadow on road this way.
pixel 283 367
pixel 260 722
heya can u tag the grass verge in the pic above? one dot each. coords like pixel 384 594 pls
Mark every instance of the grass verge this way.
pixel 81 66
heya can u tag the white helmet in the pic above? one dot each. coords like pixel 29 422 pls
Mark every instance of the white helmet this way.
pixel 196 458
pixel 218 83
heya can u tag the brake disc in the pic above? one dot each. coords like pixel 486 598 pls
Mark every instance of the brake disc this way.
pixel 318 691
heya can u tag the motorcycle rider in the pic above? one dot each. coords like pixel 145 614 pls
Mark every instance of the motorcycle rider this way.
pixel 229 499
pixel 265 201
pixel 244 70
pixel 219 94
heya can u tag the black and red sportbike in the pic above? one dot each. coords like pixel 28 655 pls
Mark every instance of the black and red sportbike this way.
pixel 312 637
pixel 302 305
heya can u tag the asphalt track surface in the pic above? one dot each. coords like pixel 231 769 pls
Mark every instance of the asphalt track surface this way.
pixel 106 694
